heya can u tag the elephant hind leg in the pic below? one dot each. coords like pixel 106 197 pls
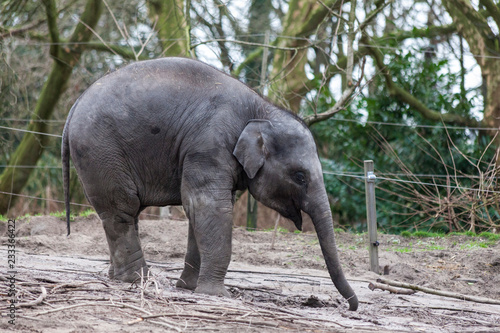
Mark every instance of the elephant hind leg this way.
pixel 191 271
pixel 127 258
pixel 119 218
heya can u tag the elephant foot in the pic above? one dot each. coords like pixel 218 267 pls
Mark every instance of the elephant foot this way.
pixel 189 278
pixel 130 273
pixel 187 282
pixel 132 276
pixel 111 272
pixel 212 289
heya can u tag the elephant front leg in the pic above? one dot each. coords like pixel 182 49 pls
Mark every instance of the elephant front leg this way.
pixel 214 241
pixel 127 259
pixel 191 272
pixel 210 217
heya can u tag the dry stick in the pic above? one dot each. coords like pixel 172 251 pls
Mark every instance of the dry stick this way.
pixel 440 292
pixel 445 308
pixel 76 285
pixel 275 230
pixel 213 318
pixel 117 305
pixel 373 285
pixel 202 316
pixel 35 302
pixel 478 321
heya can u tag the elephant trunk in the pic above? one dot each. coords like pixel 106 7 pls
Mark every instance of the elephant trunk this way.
pixel 321 215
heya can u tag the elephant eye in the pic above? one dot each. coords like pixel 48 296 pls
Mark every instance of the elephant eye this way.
pixel 299 177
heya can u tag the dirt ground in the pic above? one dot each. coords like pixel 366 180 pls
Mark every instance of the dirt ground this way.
pixel 282 289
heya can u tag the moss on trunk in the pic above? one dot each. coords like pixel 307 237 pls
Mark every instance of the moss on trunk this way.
pixel 13 179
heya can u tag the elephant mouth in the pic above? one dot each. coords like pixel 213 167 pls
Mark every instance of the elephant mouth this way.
pixel 295 216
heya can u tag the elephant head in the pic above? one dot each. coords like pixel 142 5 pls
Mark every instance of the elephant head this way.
pixel 281 161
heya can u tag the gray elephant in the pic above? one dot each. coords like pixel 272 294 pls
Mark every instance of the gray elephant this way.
pixel 176 131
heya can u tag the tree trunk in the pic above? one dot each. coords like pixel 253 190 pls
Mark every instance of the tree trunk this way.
pixel 289 72
pixel 172 25
pixel 483 42
pixel 13 179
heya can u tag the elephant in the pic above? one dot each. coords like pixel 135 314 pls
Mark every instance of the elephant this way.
pixel 176 131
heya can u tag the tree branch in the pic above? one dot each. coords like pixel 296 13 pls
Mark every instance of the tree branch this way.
pixel 339 105
pixel 51 11
pixel 123 52
pixel 406 97
pixel 492 10
pixel 28 152
pixel 476 299
pixel 473 26
pixel 89 17
pixel 17 31
pixel 379 6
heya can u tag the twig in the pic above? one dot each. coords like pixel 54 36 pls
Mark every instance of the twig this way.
pixel 476 299
pixel 76 285
pixel 275 231
pixel 478 321
pixel 117 305
pixel 373 285
pixel 217 318
pixel 35 302
pixel 446 308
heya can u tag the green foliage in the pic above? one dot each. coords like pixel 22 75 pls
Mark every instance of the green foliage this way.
pixel 87 213
pixel 58 214
pixel 465 233
pixel 62 215
pixel 475 245
pixel 406 234
pixel 403 249
pixel 421 234
pixel 425 234
pixel 490 236
pixel 401 150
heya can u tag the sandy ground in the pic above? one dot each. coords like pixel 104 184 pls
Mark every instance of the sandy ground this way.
pixel 282 289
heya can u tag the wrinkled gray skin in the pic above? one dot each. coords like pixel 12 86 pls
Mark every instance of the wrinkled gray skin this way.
pixel 176 131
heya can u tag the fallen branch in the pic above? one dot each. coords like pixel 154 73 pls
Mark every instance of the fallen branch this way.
pixel 194 315
pixel 76 285
pixel 446 308
pixel 117 305
pixel 39 300
pixel 476 299
pixel 373 285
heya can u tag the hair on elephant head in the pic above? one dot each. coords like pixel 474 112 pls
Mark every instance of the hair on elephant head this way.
pixel 280 160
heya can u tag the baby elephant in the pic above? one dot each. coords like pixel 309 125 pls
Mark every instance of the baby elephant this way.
pixel 175 131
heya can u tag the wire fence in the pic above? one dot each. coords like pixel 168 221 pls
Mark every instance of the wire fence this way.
pixel 337 174
pixel 240 39
pixel 352 174
pixel 361 122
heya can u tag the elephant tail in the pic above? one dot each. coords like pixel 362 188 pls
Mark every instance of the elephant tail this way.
pixel 65 158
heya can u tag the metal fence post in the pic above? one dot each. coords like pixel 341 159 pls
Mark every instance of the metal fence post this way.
pixel 252 203
pixel 371 215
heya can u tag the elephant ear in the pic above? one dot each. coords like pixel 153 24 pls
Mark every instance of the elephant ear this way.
pixel 250 149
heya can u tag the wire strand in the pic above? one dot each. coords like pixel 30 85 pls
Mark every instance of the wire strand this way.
pixel 62 202
pixel 416 125
pixel 34 120
pixel 33 132
pixel 334 119
pixel 44 199
pixel 235 40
